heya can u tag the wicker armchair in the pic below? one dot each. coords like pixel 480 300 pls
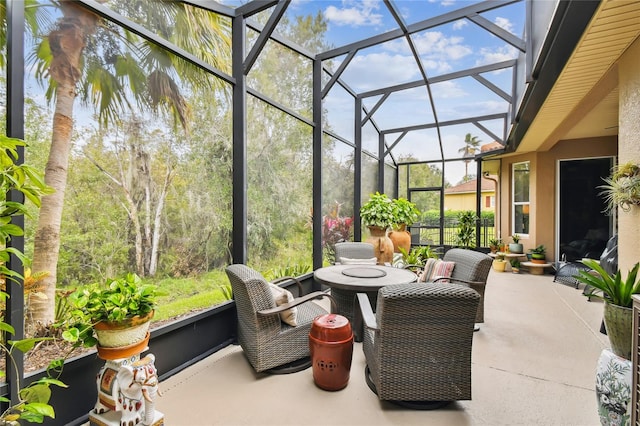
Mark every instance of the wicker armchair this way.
pixel 269 344
pixel 472 269
pixel 354 250
pixel 417 344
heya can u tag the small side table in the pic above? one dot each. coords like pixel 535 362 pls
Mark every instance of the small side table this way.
pixel 536 268
pixel 508 257
pixel 331 349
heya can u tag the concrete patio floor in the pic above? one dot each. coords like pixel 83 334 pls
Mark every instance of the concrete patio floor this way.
pixel 534 362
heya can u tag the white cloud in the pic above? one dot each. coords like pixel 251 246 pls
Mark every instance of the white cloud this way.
pixel 460 24
pixel 505 24
pixel 433 46
pixel 359 13
pixel 375 70
pixel 447 90
pixel 440 67
pixel 491 56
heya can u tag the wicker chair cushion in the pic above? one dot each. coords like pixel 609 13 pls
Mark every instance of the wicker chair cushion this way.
pixel 350 261
pixel 436 268
pixel 282 296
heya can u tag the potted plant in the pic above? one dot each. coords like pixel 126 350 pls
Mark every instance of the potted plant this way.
pixel 538 254
pixel 405 213
pixel 499 263
pixel 516 247
pixel 622 188
pixel 515 266
pixel 114 316
pixel 616 293
pixel 377 214
pixel 378 211
pixel 495 244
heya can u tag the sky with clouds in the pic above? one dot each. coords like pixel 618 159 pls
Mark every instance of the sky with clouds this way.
pixel 444 49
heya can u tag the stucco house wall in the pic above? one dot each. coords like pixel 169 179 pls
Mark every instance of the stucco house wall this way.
pixel 543 187
pixel 467 201
pixel 629 150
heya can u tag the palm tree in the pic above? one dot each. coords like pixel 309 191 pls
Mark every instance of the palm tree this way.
pixel 469 150
pixel 85 56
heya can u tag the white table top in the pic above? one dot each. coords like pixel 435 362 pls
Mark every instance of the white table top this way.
pixel 530 264
pixel 507 255
pixel 363 277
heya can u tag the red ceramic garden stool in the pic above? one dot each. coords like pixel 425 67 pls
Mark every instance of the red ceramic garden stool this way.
pixel 331 349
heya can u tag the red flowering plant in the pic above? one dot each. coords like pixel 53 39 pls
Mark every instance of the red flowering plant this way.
pixel 335 229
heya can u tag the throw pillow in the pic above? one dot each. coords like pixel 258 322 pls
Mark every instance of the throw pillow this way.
pixel 436 268
pixel 282 296
pixel 443 269
pixel 349 261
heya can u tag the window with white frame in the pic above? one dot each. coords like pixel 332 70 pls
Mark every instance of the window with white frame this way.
pixel 520 207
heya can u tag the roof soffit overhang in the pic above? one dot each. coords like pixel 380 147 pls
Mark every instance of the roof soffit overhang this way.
pixel 587 78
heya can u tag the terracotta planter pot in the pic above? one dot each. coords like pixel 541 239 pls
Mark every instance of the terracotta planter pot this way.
pixel 130 331
pixel 123 351
pixel 382 244
pixel 401 239
pixel 619 323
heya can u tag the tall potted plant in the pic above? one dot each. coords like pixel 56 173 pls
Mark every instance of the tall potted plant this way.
pixel 405 213
pixel 616 293
pixel 377 214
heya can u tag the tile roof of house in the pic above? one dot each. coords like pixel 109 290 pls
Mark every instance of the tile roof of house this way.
pixel 491 146
pixel 470 186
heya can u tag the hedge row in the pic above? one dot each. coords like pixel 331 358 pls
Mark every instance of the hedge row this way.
pixel 452 215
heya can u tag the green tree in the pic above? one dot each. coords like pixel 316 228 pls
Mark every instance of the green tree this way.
pixel 280 151
pixel 469 149
pixel 113 71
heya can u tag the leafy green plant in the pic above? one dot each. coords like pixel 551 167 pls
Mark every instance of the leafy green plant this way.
pixel 609 287
pixel 405 212
pixel 287 271
pixel 495 244
pixel 114 301
pixel 515 263
pixel 378 211
pixel 466 229
pixel 33 404
pixel 225 290
pixel 418 256
pixel 622 188
pixel 540 250
pixel 515 238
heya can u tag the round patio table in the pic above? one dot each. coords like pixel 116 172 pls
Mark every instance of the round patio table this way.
pixel 347 280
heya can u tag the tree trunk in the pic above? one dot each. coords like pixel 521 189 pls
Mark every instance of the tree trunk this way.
pixel 157 226
pixel 67 43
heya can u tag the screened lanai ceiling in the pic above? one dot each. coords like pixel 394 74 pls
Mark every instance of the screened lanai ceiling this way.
pixel 427 72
